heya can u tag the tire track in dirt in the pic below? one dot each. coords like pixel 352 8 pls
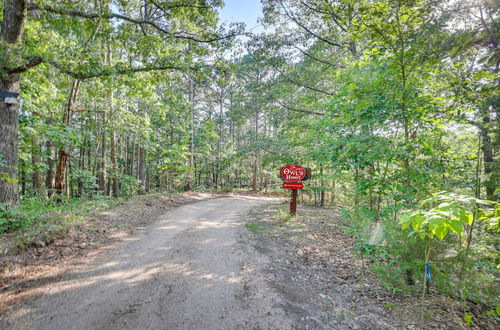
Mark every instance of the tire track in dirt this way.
pixel 192 269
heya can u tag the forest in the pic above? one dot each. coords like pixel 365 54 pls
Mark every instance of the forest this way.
pixel 393 104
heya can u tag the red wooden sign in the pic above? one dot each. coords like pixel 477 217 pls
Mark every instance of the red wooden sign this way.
pixel 293 173
pixel 293 185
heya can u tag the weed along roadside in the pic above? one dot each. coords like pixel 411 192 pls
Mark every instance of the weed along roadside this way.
pixel 333 275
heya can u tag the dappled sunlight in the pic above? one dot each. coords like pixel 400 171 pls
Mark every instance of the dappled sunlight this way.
pixel 24 311
pixel 108 213
pixel 190 250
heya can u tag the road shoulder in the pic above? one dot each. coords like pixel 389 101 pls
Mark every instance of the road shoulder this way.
pixel 324 286
pixel 83 240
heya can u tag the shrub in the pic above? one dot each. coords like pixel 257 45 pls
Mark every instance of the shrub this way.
pixel 446 213
pixel 128 185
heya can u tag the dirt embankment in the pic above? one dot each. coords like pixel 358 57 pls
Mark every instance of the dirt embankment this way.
pixel 21 268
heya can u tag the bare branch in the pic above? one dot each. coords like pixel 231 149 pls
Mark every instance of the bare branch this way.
pixel 333 15
pixel 188 36
pixel 32 62
pixel 303 85
pixel 313 57
pixel 298 110
pixel 77 13
pixel 140 22
pixel 179 5
pixel 296 21
pixel 83 76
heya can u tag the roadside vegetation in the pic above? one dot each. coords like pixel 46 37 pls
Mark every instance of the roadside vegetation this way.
pixel 393 104
pixel 335 273
pixel 39 223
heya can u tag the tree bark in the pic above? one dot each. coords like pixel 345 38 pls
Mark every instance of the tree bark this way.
pixel 14 17
pixel 132 158
pixel 256 155
pixel 115 188
pixel 23 177
pixel 140 170
pixel 60 171
pixel 322 183
pixel 81 165
pixel 51 171
pixel 36 160
pixel 488 160
pixel 102 161
pixel 63 151
pixel 189 176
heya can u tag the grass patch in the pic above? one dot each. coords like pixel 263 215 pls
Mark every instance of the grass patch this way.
pixel 253 227
pixel 283 216
pixel 36 212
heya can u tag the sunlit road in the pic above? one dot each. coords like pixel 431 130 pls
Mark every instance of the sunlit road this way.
pixel 194 268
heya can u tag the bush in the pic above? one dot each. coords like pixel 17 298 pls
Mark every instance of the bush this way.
pixel 128 185
pixel 87 180
pixel 453 219
pixel 12 219
pixel 463 259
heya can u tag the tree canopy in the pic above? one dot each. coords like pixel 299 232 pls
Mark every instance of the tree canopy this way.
pixel 387 101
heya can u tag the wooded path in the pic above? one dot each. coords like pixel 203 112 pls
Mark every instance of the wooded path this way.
pixel 192 269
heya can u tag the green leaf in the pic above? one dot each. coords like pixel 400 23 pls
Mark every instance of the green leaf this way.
pixel 456 226
pixel 454 50
pixel 470 219
pixel 417 221
pixel 468 318
pixel 441 232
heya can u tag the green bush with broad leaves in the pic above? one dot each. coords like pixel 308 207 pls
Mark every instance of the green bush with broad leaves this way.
pixel 448 213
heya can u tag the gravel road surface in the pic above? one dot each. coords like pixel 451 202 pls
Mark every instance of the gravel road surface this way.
pixel 194 268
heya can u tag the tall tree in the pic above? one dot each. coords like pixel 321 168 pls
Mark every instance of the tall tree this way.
pixel 190 21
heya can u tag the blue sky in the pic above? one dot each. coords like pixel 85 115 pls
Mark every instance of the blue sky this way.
pixel 246 11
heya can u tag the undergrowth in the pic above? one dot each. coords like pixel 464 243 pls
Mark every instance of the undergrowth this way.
pixel 253 227
pixel 398 260
pixel 45 220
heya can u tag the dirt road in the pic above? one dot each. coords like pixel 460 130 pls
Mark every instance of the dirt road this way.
pixel 192 269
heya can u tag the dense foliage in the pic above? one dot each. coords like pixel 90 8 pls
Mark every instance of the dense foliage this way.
pixel 390 102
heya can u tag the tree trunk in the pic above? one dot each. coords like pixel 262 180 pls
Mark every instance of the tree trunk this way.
pixel 102 161
pixel 189 176
pixel 148 179
pixel 255 166
pixel 36 160
pixel 14 16
pixel 69 189
pixel 23 177
pixel 132 159
pixel 63 151
pixel 81 165
pixel 115 187
pixel 51 171
pixel 488 160
pixel 322 183
pixel 61 169
pixel 140 171
pixel 127 157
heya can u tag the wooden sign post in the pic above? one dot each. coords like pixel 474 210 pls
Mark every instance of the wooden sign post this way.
pixel 293 203
pixel 292 174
